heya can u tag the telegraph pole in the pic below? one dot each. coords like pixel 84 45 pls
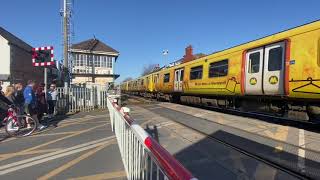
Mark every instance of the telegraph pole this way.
pixel 65 44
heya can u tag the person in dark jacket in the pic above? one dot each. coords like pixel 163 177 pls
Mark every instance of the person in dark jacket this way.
pixel 30 102
pixel 4 104
pixel 19 97
pixel 41 101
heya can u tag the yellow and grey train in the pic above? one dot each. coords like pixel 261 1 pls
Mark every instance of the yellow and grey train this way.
pixel 278 74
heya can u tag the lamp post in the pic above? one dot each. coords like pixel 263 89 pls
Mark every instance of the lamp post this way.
pixel 165 54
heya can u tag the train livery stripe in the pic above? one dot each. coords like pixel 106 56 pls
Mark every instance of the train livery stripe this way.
pixel 287 67
pixel 243 73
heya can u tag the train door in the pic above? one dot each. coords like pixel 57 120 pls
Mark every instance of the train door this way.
pixel 254 68
pixel 265 70
pixel 273 73
pixel 178 80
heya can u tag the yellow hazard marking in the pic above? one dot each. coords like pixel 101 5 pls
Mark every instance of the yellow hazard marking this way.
pixel 109 175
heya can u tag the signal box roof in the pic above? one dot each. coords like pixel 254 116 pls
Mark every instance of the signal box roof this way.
pixel 93 45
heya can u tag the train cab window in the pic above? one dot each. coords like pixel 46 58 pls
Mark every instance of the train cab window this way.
pixel 196 72
pixel 254 62
pixel 218 69
pixel 166 78
pixel 275 59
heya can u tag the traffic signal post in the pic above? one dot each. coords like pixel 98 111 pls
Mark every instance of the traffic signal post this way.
pixel 43 57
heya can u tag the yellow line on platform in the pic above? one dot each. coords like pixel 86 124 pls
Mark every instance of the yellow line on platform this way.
pixel 51 142
pixel 73 162
pixel 103 176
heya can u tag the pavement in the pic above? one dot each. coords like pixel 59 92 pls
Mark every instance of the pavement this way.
pixel 205 158
pixel 80 146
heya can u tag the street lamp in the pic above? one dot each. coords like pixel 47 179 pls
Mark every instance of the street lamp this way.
pixel 165 53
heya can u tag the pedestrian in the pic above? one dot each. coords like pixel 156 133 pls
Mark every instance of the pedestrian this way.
pixel 30 103
pixel 19 97
pixel 1 92
pixel 4 103
pixel 52 99
pixel 41 101
pixel 9 94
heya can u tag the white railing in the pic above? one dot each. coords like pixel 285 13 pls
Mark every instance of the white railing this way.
pixel 74 99
pixel 142 156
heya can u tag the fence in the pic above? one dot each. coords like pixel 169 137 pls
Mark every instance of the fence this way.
pixel 75 99
pixel 142 156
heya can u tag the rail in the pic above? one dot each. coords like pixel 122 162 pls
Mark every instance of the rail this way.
pixel 142 156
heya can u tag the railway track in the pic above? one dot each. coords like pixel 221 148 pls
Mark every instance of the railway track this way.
pixel 306 125
pixel 294 172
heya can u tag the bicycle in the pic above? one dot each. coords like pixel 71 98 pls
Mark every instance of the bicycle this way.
pixel 18 125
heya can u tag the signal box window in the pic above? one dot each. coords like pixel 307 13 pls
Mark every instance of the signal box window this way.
pixel 254 62
pixel 275 59
pixel 219 69
pixel 196 73
pixel 166 78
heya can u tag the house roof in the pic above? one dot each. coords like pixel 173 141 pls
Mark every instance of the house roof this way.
pixel 93 45
pixel 14 40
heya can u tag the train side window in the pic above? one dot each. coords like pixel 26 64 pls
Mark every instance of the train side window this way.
pixel 218 69
pixel 254 62
pixel 196 72
pixel 275 59
pixel 181 75
pixel 166 78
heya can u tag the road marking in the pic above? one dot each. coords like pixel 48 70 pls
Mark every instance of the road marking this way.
pixel 56 152
pixel 54 141
pixel 301 151
pixel 40 134
pixel 63 123
pixel 48 157
pixel 109 175
pixel 73 162
pixel 32 152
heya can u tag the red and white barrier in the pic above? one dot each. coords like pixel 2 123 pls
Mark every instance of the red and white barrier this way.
pixel 142 156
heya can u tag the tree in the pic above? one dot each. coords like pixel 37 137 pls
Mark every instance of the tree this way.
pixel 127 79
pixel 148 69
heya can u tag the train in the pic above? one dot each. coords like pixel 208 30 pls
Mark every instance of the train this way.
pixel 278 74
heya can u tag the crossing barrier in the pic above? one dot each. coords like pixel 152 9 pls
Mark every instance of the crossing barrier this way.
pixel 143 157
pixel 74 99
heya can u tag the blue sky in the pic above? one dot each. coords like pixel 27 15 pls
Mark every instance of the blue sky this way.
pixel 141 29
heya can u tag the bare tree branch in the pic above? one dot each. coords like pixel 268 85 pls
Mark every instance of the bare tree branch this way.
pixel 148 69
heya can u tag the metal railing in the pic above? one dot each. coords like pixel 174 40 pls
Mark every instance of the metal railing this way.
pixel 142 156
pixel 74 99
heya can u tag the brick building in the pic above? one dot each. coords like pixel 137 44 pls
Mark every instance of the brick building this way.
pixel 16 61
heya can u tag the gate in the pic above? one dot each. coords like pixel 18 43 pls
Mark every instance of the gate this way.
pixel 75 98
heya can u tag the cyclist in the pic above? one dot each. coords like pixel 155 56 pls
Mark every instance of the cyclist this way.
pixel 30 103
pixel 4 103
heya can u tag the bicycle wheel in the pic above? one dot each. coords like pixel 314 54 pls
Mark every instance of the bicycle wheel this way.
pixel 11 128
pixel 27 125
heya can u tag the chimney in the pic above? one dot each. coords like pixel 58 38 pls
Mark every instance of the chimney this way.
pixel 188 55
